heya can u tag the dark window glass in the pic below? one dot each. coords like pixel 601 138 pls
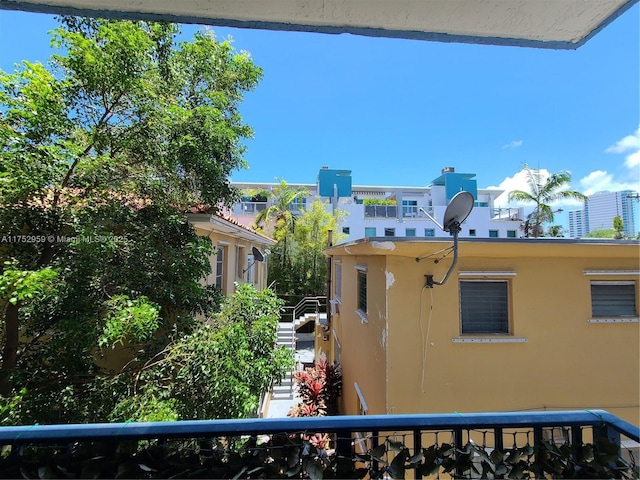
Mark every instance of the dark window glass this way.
pixel 613 299
pixel 484 306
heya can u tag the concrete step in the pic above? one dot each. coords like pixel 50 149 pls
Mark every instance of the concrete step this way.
pixel 281 396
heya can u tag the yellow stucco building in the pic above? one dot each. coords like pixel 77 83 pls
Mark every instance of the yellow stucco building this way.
pixel 233 260
pixel 528 324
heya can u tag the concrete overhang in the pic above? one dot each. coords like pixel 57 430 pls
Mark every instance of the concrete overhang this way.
pixel 428 249
pixel 559 24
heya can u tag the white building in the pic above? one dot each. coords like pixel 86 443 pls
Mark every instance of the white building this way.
pixel 408 217
pixel 602 207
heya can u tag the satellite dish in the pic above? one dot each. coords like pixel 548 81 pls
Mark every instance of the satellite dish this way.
pixel 457 211
pixel 257 254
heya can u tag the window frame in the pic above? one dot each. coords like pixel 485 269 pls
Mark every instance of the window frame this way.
pixel 429 232
pixel 504 331
pixel 494 234
pixel 219 271
pixel 412 230
pixel 369 229
pixel 389 230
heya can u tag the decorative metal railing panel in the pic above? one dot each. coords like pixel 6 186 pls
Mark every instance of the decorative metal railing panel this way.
pixel 578 444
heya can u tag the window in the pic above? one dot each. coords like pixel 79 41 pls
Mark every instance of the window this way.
pixel 472 232
pixel 493 233
pixel 429 232
pixel 370 231
pixel 389 232
pixel 410 232
pixel 484 306
pixel 219 267
pixel 613 299
pixel 511 234
pixel 346 230
pixel 250 266
pixel 240 262
pixel 362 291
pixel 338 280
pixel 409 208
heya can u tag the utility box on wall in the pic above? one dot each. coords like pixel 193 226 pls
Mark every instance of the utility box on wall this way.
pixel 328 178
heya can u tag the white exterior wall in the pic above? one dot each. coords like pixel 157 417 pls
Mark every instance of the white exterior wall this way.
pixel 482 219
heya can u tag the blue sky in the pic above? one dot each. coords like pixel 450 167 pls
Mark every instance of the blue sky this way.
pixel 396 111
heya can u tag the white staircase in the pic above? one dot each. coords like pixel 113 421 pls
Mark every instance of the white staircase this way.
pixel 306 318
pixel 286 338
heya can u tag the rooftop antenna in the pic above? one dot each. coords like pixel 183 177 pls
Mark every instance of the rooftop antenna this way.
pixel 258 256
pixel 457 211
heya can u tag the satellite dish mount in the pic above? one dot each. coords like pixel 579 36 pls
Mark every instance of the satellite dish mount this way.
pixel 258 256
pixel 457 212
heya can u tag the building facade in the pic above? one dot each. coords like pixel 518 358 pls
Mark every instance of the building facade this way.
pixel 526 324
pixel 234 259
pixel 394 211
pixel 602 207
pixel 577 224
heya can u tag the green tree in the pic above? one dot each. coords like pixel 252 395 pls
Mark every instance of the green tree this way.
pixel 312 236
pixel 601 233
pixel 541 193
pixel 555 231
pixel 279 221
pixel 618 227
pixel 98 157
pixel 218 371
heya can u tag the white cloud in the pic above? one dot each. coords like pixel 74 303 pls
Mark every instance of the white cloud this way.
pixel 519 182
pixel 603 181
pixel 630 143
pixel 513 144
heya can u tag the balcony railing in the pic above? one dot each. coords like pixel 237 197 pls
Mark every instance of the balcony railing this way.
pixel 381 211
pixel 506 214
pixel 480 445
pixel 253 207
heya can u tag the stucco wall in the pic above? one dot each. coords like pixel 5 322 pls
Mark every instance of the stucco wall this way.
pixel 560 360
pixel 363 343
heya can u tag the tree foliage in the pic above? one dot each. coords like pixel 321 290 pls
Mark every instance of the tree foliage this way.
pixel 542 192
pixel 99 154
pixel 298 266
pixel 618 227
pixel 220 369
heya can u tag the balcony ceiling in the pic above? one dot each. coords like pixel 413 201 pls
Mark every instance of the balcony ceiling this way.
pixel 559 24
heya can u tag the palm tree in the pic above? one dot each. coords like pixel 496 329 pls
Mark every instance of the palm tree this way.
pixel 281 197
pixel 542 194
pixel 279 221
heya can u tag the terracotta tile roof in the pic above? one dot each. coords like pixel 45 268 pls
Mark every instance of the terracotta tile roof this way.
pixel 209 210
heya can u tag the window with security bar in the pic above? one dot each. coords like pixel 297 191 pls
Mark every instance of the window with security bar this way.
pixel 484 306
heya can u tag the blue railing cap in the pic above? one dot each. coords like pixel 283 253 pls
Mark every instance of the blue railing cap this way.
pixel 423 422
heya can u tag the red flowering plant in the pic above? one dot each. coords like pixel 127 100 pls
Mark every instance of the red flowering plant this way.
pixel 319 388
